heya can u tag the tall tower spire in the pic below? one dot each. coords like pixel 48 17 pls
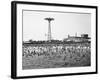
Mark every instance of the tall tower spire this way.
pixel 49 27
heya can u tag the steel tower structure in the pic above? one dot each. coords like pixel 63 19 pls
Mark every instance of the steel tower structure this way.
pixel 49 28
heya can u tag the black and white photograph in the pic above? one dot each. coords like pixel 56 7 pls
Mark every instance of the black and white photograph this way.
pixel 54 39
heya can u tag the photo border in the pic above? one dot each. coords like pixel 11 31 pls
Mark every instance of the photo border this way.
pixel 14 38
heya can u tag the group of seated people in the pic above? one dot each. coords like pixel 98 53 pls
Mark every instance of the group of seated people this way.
pixel 30 51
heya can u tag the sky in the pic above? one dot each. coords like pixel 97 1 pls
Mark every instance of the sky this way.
pixel 35 26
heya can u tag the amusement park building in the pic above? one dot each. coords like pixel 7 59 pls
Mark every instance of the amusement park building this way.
pixel 82 38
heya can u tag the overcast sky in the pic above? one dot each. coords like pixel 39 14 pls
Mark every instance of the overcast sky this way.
pixel 36 28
